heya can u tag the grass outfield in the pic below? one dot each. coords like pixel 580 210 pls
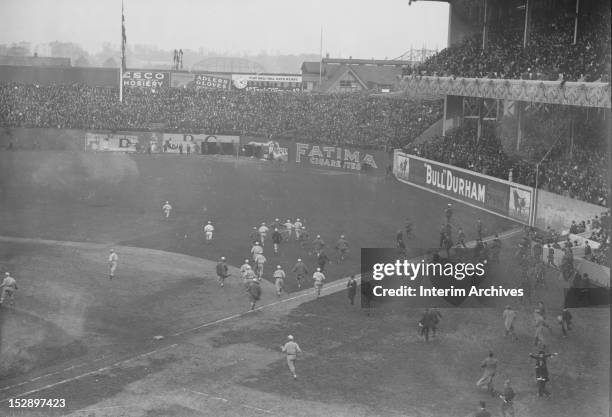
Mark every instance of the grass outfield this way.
pixel 353 365
pixel 118 199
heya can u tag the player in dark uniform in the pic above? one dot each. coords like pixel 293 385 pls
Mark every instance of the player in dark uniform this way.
pixel 300 271
pixel 448 213
pixel 541 371
pixel 442 236
pixel 254 291
pixel 351 285
pixel 399 241
pixel 322 260
pixel 222 271
pixel 276 240
pixel 408 228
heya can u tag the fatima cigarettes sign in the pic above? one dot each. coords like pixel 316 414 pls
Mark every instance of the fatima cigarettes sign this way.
pixel 335 157
pixel 493 194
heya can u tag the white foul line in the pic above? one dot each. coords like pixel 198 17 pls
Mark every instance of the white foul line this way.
pixel 106 368
pixel 235 316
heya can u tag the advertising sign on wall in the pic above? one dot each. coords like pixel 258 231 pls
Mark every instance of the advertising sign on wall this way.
pixel 196 143
pixel 109 142
pixel 189 80
pixel 146 79
pixel 492 194
pixel 267 82
pixel 342 158
pixel 123 142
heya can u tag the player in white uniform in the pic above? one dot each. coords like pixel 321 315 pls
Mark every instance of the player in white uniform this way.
pixel 244 268
pixel 279 280
pixel 291 349
pixel 208 231
pixel 297 226
pixel 260 260
pixel 318 281
pixel 263 232
pixel 166 209
pixel 113 258
pixel 288 227
pixel 8 286
pixel 256 250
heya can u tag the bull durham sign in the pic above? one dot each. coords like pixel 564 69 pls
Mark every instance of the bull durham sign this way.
pixel 499 196
pixel 446 180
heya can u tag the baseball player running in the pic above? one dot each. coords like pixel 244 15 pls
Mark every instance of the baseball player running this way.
pixel 276 240
pixel 260 261
pixel 222 271
pixel 113 258
pixel 243 269
pixel 300 271
pixel 288 228
pixel 263 232
pixel 8 286
pixel 256 250
pixel 291 349
pixel 254 291
pixel 318 281
pixel 279 280
pixel 166 209
pixel 208 231
pixel 297 226
pixel 342 247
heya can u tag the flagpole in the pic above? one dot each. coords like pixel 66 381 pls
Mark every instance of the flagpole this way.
pixel 122 55
pixel 321 60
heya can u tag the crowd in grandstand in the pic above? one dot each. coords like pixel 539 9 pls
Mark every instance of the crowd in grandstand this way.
pixel 581 175
pixel 356 119
pixel 347 119
pixel 550 54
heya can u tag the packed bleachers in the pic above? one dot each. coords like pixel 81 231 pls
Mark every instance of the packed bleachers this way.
pixel 549 55
pixel 356 119
pixel 582 175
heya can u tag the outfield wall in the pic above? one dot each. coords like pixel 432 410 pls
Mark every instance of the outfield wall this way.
pixel 557 211
pixel 43 139
pixel 306 155
pixel 504 198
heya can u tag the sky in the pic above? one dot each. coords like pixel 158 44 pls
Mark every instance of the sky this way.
pixel 358 28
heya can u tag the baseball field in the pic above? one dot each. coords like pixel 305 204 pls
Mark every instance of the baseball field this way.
pixel 164 339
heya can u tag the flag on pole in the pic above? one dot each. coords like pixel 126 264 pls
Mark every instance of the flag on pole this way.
pixel 123 38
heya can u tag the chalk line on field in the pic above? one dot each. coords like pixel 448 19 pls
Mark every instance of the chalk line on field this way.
pixel 226 400
pixel 77 377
